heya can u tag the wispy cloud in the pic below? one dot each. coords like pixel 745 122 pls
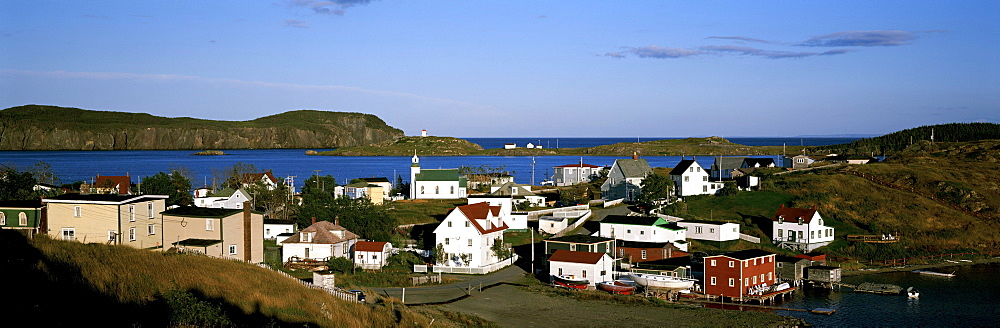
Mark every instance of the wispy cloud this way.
pixel 739 38
pixel 654 51
pixel 882 38
pixel 296 23
pixel 770 54
pixel 334 7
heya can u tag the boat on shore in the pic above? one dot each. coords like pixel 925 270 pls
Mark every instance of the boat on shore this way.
pixel 570 281
pixel 660 281
pixel 616 287
pixel 932 273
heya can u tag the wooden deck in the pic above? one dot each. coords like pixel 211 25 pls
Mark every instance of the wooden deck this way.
pixel 867 287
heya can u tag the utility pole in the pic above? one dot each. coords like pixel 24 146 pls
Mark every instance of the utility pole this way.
pixel 532 170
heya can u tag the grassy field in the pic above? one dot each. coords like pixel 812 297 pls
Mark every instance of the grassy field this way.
pixel 417 211
pixel 74 284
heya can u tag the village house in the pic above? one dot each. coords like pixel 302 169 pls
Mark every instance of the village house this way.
pixel 226 198
pixel 26 216
pixel 723 167
pixel 640 251
pixel 800 229
pixel 713 231
pixel 519 194
pixel 468 234
pixel 625 178
pixel 506 204
pixel 481 181
pixel 690 179
pixel 435 183
pixel 274 227
pixel 738 274
pixel 644 229
pixel 789 268
pixel 800 161
pixel 217 232
pixel 580 243
pixel 362 189
pixel 109 184
pixel 594 266
pixel 371 255
pixel 266 178
pixel 754 162
pixel 320 241
pixel 571 174
pixel 679 266
pixel 381 182
pixel 107 218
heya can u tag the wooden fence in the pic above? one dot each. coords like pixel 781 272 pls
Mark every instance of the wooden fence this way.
pixel 466 270
pixel 752 239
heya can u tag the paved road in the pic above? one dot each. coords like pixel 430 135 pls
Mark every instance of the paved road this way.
pixel 442 293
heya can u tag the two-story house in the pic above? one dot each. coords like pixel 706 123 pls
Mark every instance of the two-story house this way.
pixel 131 220
pixel 800 229
pixel 25 216
pixel 625 178
pixel 571 174
pixel 723 167
pixel 226 198
pixel 519 193
pixel 217 232
pixel 691 179
pixel 644 229
pixel 468 233
pixel 321 241
pixel 739 274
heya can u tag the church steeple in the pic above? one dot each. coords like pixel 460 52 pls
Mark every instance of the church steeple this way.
pixel 415 160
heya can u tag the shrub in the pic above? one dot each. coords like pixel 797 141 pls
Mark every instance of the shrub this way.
pixel 340 264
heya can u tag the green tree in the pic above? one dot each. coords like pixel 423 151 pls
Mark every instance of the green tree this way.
pixel 439 255
pixel 654 187
pixel 175 185
pixel 274 202
pixel 16 185
pixel 42 172
pixel 500 250
pixel 340 264
pixel 235 176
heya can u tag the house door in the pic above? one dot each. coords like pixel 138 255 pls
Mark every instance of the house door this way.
pixel 306 255
pixel 791 235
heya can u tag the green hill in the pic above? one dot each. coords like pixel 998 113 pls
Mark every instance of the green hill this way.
pixel 57 283
pixel 35 127
pixel 899 140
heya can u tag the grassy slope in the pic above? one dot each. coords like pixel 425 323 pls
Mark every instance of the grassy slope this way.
pixel 416 211
pixel 448 146
pixel 81 283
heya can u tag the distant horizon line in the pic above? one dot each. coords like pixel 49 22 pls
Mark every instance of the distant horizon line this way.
pixel 839 136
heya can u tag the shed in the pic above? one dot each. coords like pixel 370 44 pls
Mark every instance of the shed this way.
pixel 823 273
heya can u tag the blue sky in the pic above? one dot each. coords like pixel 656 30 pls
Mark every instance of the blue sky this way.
pixel 518 68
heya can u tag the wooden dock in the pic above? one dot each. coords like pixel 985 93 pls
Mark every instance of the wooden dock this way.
pixel 867 287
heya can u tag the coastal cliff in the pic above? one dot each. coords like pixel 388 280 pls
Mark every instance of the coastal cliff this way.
pixel 35 127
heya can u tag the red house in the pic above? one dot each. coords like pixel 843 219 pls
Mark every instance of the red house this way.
pixel 738 274
pixel 640 251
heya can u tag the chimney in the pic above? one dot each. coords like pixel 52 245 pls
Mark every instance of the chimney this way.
pixel 635 155
pixel 336 220
pixel 247 240
pixel 314 220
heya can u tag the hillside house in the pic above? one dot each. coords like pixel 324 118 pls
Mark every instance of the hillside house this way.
pixel 480 181
pixel 691 179
pixel 362 189
pixel 571 174
pixel 580 243
pixel 595 267
pixel 228 198
pixel 217 232
pixel 371 255
pixel 506 205
pixel 435 183
pixel 266 178
pixel 643 229
pixel 625 178
pixel 640 251
pixel 381 182
pixel 468 233
pixel 321 241
pixel 109 184
pixel 130 220
pixel 800 229
pixel 711 230
pixel 738 274
pixel 275 227
pixel 519 194
pixel 28 217
pixel 754 162
pixel 723 167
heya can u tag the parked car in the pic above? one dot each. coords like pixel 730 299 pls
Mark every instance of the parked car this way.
pixel 360 294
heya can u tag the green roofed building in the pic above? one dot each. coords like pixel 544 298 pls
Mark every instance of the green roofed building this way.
pixel 436 183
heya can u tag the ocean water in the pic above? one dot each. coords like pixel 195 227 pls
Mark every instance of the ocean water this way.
pixel 488 143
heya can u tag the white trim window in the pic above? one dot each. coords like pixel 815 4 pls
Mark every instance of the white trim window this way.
pixel 3 219
pixel 232 249
pixel 69 233
pixel 713 281
pixel 77 211
pixel 131 213
pixel 112 235
pixel 22 219
pixel 732 282
pixel 149 208
pixel 151 229
pixel 131 234
pixel 209 225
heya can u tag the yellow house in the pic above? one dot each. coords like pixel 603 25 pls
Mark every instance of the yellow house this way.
pixel 218 232
pixel 131 220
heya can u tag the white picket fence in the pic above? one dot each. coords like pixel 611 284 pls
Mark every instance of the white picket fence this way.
pixel 752 239
pixel 610 203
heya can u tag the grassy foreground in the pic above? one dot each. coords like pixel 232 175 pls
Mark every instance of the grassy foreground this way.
pixel 69 283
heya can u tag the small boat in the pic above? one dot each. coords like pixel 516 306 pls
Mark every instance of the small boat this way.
pixel 569 281
pixel 932 273
pixel 912 293
pixel 826 311
pixel 660 281
pixel 616 287
pixel 782 286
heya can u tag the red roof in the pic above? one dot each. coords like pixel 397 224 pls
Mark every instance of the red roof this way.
pixel 480 211
pixel 563 255
pixel 123 182
pixel 254 177
pixel 579 165
pixel 789 214
pixel 369 246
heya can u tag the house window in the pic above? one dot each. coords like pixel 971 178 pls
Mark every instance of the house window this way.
pixel 131 213
pixel 711 230
pixel 374 257
pixel 628 231
pixel 69 233
pixel 754 280
pixel 604 272
pixel 209 225
pixel 77 211
pixel 713 262
pixel 704 188
pixel 560 271
pixel 232 249
pixel 345 249
pixel 466 224
pixel 452 189
pixel 697 169
pixel 769 276
pixel 732 282
pixel 437 189
pixel 746 264
pixel 746 282
pixel 267 231
pixel 812 234
pixel 305 253
pixel 697 230
pixel 447 241
pixel 687 179
pixel 761 277
pixel 149 208
pixel 449 224
pixel 584 274
pixel 361 256
pixel 713 280
pixel 3 219
pixel 704 178
pixel 111 235
pixel 421 190
pixel 131 234
pixel 470 241
pixel 732 264
pixel 642 232
pixel 644 254
pixel 22 219
pixel 151 229
pixel 780 233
